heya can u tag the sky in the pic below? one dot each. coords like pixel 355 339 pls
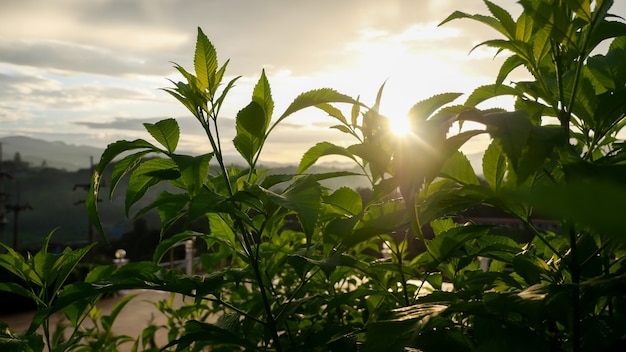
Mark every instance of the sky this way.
pixel 89 72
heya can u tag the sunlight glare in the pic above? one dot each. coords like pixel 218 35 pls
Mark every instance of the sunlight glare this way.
pixel 399 125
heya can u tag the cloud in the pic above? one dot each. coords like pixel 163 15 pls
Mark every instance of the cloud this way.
pixel 41 92
pixel 82 68
pixel 77 58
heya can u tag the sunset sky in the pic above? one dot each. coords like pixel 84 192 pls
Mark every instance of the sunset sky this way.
pixel 88 72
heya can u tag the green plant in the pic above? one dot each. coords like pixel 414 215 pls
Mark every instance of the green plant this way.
pixel 563 293
pixel 41 278
pixel 321 284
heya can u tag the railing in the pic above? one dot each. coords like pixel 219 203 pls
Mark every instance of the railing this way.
pixel 188 262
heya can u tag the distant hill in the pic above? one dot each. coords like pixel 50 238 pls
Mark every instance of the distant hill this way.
pixel 57 155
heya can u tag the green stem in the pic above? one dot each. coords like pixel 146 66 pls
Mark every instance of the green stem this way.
pixel 271 322
pixel 230 306
pixel 538 234
pixel 575 271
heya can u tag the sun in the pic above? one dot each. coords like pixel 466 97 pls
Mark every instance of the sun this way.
pixel 399 125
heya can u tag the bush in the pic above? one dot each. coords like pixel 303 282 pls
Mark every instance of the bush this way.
pixel 323 285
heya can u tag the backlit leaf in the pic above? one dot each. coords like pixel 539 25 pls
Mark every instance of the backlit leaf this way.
pixel 494 166
pixel 313 98
pixel 424 109
pixel 146 175
pixel 205 61
pixel 319 150
pixel 262 95
pixel 165 132
pixel 458 168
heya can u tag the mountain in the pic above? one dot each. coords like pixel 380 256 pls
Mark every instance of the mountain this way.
pixel 58 155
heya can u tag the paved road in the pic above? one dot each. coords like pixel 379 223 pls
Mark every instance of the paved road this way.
pixel 137 314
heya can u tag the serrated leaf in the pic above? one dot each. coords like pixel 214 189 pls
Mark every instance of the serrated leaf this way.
pixel 458 168
pixel 448 243
pixel 333 112
pixel 304 197
pixel 379 219
pixel 222 229
pixel 486 92
pixel 422 110
pixel 494 166
pixel 165 132
pixel 489 21
pixel 511 63
pixel 346 200
pixel 524 27
pixel 262 95
pixel 505 19
pixel 319 150
pixel 205 62
pixel 313 98
pixel 194 170
pixel 250 125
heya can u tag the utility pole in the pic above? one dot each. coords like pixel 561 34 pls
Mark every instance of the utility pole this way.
pixel 17 208
pixel 86 187
pixel 3 197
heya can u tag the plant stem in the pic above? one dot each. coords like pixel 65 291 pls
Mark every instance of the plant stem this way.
pixel 575 270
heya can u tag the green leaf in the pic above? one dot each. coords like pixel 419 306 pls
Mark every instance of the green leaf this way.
pixel 313 98
pixel 422 110
pixel 319 150
pixel 194 170
pixel 524 27
pixel 214 335
pixel 165 132
pixel 170 242
pixel 512 130
pixel 124 166
pixel 220 228
pixel 112 151
pixel 65 265
pixel 16 264
pixel 588 198
pixel 605 30
pixel 205 62
pixel 12 287
pixel 262 95
pixel 145 176
pixel 250 131
pixel 107 320
pixel 169 207
pixel 506 21
pixel 379 219
pixel 458 168
pixel 609 69
pixel 530 267
pixel 303 197
pixel 333 112
pixel 406 323
pixel 490 21
pixel 448 243
pixel 486 92
pixel 346 200
pixel 494 166
pixel 510 64
pixel 582 8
